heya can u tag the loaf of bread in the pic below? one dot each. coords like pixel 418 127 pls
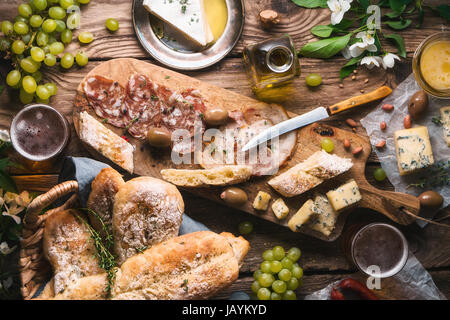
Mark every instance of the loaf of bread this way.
pixel 220 176
pixel 146 211
pixel 101 199
pixel 69 249
pixel 308 174
pixel 192 266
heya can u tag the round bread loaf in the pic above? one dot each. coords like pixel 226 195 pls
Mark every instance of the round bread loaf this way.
pixel 146 211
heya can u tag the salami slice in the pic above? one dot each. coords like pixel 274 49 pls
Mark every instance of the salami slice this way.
pixel 107 99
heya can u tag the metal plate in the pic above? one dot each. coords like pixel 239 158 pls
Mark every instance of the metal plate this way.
pixel 184 57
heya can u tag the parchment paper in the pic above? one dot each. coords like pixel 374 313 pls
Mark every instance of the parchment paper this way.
pixel 394 120
pixel 413 282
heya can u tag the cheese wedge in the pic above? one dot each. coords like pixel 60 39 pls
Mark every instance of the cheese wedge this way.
pixel 280 209
pixel 261 201
pixel 302 216
pixel 325 216
pixel 186 16
pixel 413 149
pixel 344 196
pixel 445 115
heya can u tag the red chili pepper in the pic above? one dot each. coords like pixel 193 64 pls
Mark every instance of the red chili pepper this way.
pixel 336 295
pixel 125 138
pixel 359 288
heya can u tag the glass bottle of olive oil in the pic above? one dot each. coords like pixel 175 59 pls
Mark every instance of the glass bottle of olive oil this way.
pixel 271 66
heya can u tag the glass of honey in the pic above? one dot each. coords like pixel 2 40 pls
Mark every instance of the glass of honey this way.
pixel 431 65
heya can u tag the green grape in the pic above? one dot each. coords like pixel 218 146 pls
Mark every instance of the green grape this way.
pixel 27 38
pixel 51 2
pixel 256 274
pixel 29 84
pixel 25 10
pixel 13 78
pixel 21 28
pixel 82 59
pixel 287 263
pixel 60 26
pixel 37 76
pixel 85 37
pixel 84 1
pixel 42 101
pixel 266 280
pixel 29 65
pixel 289 295
pixel 42 92
pixel 49 26
pixel 25 97
pixel 37 54
pixel 293 283
pixel 18 47
pixel 275 296
pixel 42 39
pixel 66 3
pixel 46 49
pixel 265 266
pixel 327 145
pixel 263 294
pixel 50 60
pixel 294 254
pixel 245 227
pixel 66 36
pixel 279 286
pixel 285 275
pixel 56 48
pixel 313 79
pixel 268 255
pixel 21 19
pixel 379 174
pixel 112 24
pixel 40 4
pixel 73 21
pixel 278 253
pixel 7 27
pixel 275 266
pixel 57 13
pixel 51 39
pixel 5 44
pixel 255 286
pixel 36 21
pixel 67 61
pixel 297 272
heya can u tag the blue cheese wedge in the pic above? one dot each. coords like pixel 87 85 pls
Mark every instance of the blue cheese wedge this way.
pixel 324 218
pixel 280 209
pixel 186 16
pixel 302 216
pixel 261 201
pixel 445 118
pixel 413 149
pixel 344 196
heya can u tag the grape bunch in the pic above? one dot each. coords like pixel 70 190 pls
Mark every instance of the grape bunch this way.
pixel 39 35
pixel 279 275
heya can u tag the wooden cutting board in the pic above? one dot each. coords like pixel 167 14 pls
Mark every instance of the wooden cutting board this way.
pixel 150 161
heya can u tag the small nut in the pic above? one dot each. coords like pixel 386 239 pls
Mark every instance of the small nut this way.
pixel 269 18
pixel 407 122
pixel 383 125
pixel 353 77
pixel 381 144
pixel 341 85
pixel 352 123
pixel 357 151
pixel 347 144
pixel 367 80
pixel 387 107
pixel 355 71
pixel 362 90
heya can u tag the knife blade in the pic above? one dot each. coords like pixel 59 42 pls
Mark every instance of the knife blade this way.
pixel 315 115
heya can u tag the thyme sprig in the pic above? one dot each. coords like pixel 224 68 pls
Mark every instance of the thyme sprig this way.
pixel 435 176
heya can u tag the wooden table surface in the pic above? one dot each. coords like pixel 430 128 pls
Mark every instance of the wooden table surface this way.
pixel 323 262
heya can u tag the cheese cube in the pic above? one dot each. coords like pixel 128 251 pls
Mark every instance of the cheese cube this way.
pixel 280 209
pixel 261 201
pixel 344 196
pixel 302 216
pixel 445 115
pixel 325 216
pixel 413 149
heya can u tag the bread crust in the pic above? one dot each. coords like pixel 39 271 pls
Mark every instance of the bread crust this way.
pixel 146 211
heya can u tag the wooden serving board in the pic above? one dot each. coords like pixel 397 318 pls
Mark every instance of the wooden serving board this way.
pixel 150 161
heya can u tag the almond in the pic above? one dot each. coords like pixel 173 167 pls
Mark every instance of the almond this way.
pixel 352 123
pixel 407 122
pixel 383 125
pixel 347 144
pixel 381 144
pixel 357 151
pixel 387 107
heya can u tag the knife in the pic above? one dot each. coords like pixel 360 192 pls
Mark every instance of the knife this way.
pixel 316 115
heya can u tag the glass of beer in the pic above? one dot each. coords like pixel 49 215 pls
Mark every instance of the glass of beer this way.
pixel 39 133
pixel 378 249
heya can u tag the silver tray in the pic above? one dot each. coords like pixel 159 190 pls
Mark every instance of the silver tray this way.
pixel 182 56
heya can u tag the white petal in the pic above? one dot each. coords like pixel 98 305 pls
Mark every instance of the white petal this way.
pixel 357 49
pixel 346 53
pixel 372 48
pixel 336 17
pixel 345 5
pixel 333 5
pixel 4 135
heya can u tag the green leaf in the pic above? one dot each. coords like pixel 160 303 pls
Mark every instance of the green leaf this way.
pixel 399 43
pixel 399 25
pixel 322 31
pixel 325 48
pixel 393 14
pixel 421 15
pixel 348 68
pixel 311 3
pixel 343 25
pixel 364 4
pixel 7 183
pixel 397 5
pixel 444 11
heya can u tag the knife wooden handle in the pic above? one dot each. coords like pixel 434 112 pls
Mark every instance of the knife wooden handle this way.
pixel 359 100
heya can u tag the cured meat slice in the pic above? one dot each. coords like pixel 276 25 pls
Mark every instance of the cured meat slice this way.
pixel 107 99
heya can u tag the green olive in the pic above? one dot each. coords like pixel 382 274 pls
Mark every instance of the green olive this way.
pixel 234 196
pixel 431 199
pixel 159 137
pixel 216 116
pixel 418 104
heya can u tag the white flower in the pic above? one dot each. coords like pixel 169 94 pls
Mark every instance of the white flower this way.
pixel 389 60
pixel 4 136
pixel 367 43
pixel 372 61
pixel 338 8
pixel 5 249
